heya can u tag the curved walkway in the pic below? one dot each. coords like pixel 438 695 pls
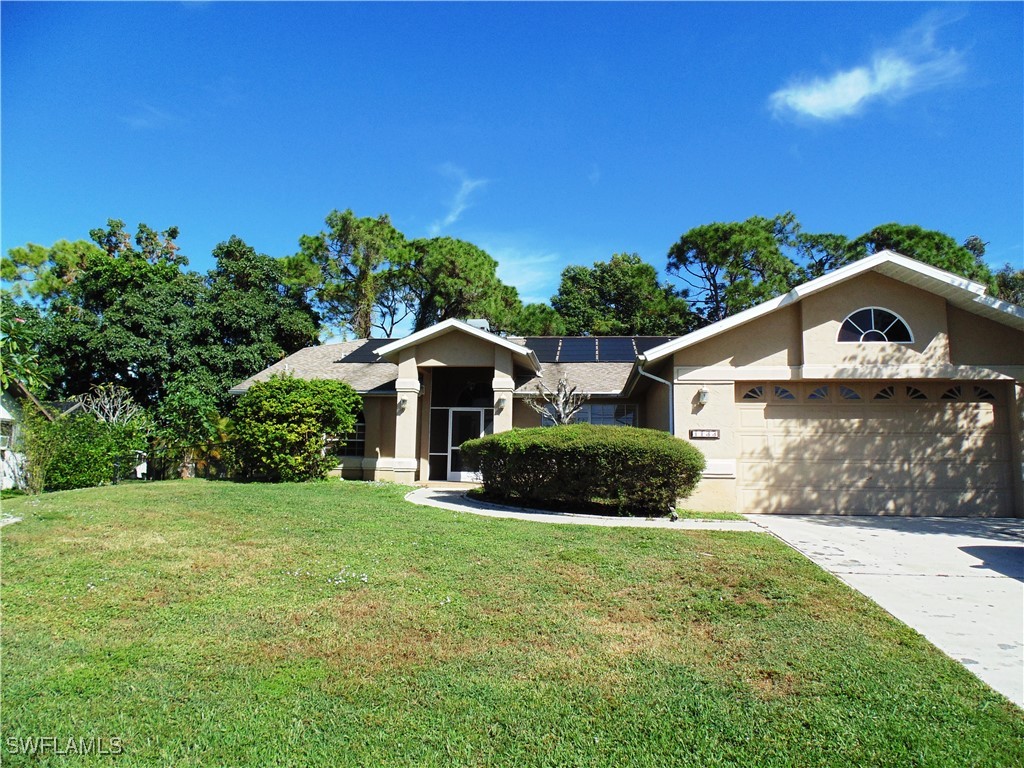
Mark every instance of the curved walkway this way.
pixel 457 501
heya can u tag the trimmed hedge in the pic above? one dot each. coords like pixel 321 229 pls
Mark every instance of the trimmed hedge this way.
pixel 639 471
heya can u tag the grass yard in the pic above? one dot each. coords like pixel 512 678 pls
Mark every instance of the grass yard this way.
pixel 334 624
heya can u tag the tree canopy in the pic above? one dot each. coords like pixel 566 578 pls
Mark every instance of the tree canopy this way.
pixel 456 279
pixel 620 297
pixel 357 269
pixel 730 266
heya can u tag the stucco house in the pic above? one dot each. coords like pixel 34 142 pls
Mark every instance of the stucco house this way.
pixel 885 387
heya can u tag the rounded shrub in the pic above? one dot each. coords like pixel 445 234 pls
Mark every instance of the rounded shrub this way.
pixel 638 471
pixel 282 425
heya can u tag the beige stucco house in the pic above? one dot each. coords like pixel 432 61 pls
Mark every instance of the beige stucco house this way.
pixel 885 387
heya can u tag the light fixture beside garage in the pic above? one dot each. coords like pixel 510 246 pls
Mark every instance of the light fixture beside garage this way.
pixel 703 395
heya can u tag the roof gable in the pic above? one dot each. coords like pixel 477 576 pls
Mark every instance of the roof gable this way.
pixel 391 350
pixel 957 290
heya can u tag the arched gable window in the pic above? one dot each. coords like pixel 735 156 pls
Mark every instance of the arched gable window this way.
pixel 875 324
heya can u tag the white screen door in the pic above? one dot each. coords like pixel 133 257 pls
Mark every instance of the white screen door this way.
pixel 463 424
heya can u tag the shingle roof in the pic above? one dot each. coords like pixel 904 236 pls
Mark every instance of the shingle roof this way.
pixel 588 378
pixel 353 362
pixel 357 363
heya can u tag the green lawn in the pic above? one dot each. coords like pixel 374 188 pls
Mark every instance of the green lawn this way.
pixel 334 624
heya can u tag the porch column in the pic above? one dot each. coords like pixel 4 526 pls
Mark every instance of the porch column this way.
pixel 503 385
pixel 408 391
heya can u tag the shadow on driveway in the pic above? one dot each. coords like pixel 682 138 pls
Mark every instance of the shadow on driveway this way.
pixel 994 528
pixel 1008 561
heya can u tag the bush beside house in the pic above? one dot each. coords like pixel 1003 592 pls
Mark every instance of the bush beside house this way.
pixel 282 426
pixel 79 451
pixel 638 471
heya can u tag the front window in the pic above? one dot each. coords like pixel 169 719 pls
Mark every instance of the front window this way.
pixel 609 414
pixel 355 441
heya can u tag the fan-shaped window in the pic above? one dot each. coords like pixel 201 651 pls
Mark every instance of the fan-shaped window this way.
pixel 819 393
pixel 754 393
pixel 980 393
pixel 875 324
pixel 848 393
pixel 885 393
pixel 915 394
pixel 781 393
pixel 955 392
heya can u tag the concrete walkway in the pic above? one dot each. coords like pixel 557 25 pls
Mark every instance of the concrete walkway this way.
pixel 455 499
pixel 959 582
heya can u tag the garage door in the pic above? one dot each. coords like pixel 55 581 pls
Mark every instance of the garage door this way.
pixel 879 448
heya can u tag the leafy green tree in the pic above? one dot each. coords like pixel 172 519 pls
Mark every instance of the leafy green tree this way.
pixel 1010 285
pixel 282 426
pixel 732 266
pixel 19 353
pixel 619 297
pixel 127 319
pixel 538 320
pixel 126 312
pixel 191 434
pixel 932 247
pixel 37 272
pixel 820 254
pixel 245 318
pixel 350 266
pixel 455 279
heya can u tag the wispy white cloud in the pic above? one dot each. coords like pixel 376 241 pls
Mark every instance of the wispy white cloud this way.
pixel 148 117
pixel 461 201
pixel 915 63
pixel 535 273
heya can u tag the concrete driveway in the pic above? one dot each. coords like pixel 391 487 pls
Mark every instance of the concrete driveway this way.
pixel 959 582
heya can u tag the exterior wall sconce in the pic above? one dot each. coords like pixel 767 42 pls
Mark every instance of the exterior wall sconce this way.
pixel 403 401
pixel 703 395
pixel 502 402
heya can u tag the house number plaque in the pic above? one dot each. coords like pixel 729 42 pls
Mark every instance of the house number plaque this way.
pixel 704 434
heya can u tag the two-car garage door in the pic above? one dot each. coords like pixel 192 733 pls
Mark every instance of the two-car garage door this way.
pixel 869 448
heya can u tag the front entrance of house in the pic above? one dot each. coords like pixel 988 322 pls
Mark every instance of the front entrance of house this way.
pixel 449 429
pixel 461 409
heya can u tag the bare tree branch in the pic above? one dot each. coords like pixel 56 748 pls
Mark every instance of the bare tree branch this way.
pixel 560 404
pixel 111 404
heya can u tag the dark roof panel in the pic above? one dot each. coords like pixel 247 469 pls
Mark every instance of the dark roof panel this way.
pixel 616 349
pixel 578 350
pixel 643 343
pixel 366 352
pixel 545 347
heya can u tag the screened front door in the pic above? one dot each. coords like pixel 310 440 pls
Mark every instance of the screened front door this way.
pixel 464 424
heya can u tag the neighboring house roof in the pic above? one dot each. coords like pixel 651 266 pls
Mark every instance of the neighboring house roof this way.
pixel 62 407
pixel 20 392
pixel 958 291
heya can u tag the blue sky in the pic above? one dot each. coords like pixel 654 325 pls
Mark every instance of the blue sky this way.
pixel 548 134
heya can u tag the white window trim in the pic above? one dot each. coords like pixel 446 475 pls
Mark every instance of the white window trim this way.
pixel 898 317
